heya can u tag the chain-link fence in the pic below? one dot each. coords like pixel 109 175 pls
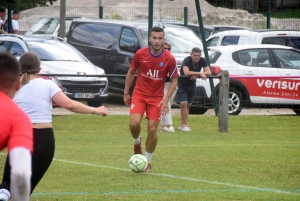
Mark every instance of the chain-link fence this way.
pixel 220 16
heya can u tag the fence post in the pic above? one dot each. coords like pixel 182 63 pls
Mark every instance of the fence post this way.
pixel 268 20
pixel 185 14
pixel 100 12
pixel 223 101
pixel 62 19
pixel 9 18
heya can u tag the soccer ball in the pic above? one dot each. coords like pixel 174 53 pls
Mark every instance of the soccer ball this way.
pixel 138 163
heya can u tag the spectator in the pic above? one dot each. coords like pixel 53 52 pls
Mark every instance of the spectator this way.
pixel 35 99
pixel 166 120
pixel 153 65
pixel 191 67
pixel 2 18
pixel 15 133
pixel 14 22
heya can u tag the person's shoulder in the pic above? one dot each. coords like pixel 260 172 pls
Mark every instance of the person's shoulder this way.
pixel 202 59
pixel 187 59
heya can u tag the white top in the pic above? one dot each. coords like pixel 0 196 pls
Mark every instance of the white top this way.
pixel 15 25
pixel 35 99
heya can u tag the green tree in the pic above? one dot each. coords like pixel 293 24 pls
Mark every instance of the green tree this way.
pixel 26 4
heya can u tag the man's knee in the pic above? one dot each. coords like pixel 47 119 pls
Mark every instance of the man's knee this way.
pixel 183 104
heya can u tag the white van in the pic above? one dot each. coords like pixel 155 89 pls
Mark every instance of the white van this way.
pixel 289 38
pixel 49 26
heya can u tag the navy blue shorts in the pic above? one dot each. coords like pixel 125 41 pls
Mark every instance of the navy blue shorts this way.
pixel 186 93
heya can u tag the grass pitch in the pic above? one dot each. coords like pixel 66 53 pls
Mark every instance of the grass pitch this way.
pixel 258 159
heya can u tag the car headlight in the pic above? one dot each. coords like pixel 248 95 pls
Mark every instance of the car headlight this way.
pixel 100 71
pixel 55 80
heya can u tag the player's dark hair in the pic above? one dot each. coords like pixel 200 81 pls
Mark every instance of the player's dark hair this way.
pixel 2 9
pixel 16 12
pixel 9 70
pixel 196 49
pixel 157 29
pixel 30 64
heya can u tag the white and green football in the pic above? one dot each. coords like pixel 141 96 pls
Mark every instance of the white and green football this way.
pixel 138 163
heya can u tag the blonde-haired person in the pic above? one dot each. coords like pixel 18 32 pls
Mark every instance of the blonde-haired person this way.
pixel 35 99
pixel 166 120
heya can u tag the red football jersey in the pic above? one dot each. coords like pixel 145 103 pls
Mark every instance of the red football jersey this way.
pixel 153 71
pixel 15 126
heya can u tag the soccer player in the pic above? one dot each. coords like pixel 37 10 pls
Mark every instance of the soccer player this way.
pixel 153 65
pixel 15 132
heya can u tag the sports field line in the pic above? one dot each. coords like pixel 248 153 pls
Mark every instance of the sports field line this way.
pixel 193 145
pixel 185 178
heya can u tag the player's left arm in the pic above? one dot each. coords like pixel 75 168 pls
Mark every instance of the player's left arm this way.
pixel 173 74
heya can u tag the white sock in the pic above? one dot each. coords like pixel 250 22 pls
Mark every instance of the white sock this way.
pixel 4 194
pixel 137 140
pixel 148 156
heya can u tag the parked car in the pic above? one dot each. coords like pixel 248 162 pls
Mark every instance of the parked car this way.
pixel 260 60
pixel 208 29
pixel 49 26
pixel 111 44
pixel 43 75
pixel 289 38
pixel 58 57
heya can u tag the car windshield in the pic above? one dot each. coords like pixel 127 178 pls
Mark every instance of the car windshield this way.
pixel 45 26
pixel 55 51
pixel 182 40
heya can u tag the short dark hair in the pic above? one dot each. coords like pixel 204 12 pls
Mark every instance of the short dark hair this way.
pixel 9 70
pixel 16 12
pixel 2 9
pixel 157 29
pixel 196 49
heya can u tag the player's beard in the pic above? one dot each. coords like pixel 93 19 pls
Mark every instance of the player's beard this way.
pixel 156 47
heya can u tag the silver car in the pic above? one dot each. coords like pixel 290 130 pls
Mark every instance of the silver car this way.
pixel 58 57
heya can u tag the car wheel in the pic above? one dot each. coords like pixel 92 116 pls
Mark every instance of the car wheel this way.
pixel 197 110
pixel 297 111
pixel 235 100
pixel 94 103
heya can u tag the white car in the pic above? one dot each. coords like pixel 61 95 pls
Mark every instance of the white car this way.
pixel 49 26
pixel 289 38
pixel 265 63
pixel 58 57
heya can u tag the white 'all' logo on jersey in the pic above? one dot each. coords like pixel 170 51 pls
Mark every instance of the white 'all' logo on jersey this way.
pixel 152 74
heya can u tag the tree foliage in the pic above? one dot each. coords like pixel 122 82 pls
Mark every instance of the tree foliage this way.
pixel 26 4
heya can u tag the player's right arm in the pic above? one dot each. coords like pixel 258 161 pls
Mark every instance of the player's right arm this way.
pixel 128 83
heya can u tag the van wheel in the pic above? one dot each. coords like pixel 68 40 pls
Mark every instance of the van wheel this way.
pixel 197 110
pixel 235 100
pixel 94 103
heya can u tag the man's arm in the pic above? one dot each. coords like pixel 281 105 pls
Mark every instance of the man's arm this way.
pixel 20 162
pixel 128 83
pixel 171 89
pixel 165 101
